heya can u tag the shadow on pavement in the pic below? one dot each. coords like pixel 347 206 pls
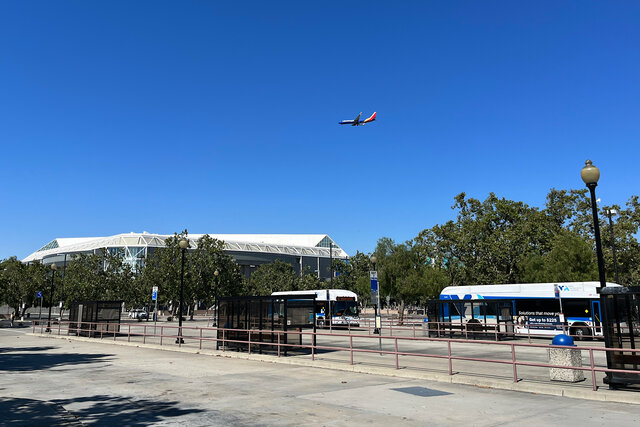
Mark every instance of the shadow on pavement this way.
pixel 10 361
pixel 15 349
pixel 96 410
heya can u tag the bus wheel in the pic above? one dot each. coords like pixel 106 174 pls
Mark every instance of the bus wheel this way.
pixel 321 324
pixel 580 334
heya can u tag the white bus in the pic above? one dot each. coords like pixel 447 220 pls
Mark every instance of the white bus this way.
pixel 536 307
pixel 341 304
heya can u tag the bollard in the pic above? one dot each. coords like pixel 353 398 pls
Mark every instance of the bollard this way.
pixel 565 357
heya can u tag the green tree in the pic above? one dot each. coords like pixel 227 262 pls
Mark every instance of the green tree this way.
pixel 273 277
pixel 570 260
pixel 19 284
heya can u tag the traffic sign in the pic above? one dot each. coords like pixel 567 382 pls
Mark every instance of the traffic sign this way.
pixel 154 294
pixel 39 294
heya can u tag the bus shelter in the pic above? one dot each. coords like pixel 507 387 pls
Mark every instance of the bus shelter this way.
pixel 276 319
pixel 92 318
pixel 474 319
pixel 621 307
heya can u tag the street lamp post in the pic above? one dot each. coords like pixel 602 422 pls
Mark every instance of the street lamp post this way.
pixel 611 212
pixel 590 175
pixel 54 267
pixel 184 244
pixel 215 297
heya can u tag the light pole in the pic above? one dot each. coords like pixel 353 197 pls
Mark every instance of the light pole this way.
pixel 215 297
pixel 590 175
pixel 54 267
pixel 610 213
pixel 184 244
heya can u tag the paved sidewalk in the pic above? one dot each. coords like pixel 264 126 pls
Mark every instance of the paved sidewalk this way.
pixel 496 375
pixel 65 381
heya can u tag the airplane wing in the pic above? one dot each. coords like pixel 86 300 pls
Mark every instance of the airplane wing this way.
pixel 357 119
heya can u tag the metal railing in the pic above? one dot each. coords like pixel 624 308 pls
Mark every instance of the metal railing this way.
pixel 225 336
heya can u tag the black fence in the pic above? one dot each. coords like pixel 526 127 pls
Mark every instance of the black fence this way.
pixel 474 319
pixel 238 315
pixel 90 318
pixel 621 322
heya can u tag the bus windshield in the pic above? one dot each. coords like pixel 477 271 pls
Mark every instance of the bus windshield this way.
pixel 345 308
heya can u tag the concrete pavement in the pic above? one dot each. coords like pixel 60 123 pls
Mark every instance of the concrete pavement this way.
pixel 61 382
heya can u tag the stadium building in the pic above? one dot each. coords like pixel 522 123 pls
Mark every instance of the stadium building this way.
pixel 305 252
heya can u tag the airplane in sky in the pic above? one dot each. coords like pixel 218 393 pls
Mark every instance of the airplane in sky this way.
pixel 358 122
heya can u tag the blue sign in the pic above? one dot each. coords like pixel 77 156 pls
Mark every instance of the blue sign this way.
pixel 154 296
pixel 374 285
pixel 39 294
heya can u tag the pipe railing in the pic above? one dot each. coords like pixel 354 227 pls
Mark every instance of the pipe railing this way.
pixel 197 334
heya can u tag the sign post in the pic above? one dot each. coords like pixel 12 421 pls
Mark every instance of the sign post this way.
pixel 375 300
pixel 558 295
pixel 40 315
pixel 154 297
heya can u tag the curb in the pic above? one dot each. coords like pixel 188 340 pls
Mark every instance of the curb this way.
pixel 475 381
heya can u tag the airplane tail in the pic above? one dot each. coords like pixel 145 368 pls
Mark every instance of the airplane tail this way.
pixel 372 118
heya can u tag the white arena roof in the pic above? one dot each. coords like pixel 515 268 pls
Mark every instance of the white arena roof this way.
pixel 314 245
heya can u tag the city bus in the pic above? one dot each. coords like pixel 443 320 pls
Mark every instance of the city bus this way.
pixel 334 307
pixel 536 306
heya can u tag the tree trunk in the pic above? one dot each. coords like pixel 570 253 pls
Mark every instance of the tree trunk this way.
pixel 401 312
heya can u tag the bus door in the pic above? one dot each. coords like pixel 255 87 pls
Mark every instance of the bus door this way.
pixel 596 316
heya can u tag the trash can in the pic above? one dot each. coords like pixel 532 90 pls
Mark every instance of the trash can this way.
pixel 565 357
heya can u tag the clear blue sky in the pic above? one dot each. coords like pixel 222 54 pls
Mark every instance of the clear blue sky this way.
pixel 219 117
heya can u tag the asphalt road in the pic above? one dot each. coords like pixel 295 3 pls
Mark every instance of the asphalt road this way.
pixel 46 381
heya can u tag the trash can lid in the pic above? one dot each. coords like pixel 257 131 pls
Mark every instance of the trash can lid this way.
pixel 562 339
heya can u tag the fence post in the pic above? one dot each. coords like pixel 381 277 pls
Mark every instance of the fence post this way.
pixel 313 345
pixel 495 328
pixel 128 334
pixel 414 330
pixel 351 348
pixel 278 343
pixel 528 331
pixel 201 337
pixel 114 334
pixel 144 335
pixel 249 342
pixel 450 361
pixel 161 334
pixel 513 360
pixel 593 372
pixel 223 330
pixel 466 331
pixel 397 366
pixel 59 325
